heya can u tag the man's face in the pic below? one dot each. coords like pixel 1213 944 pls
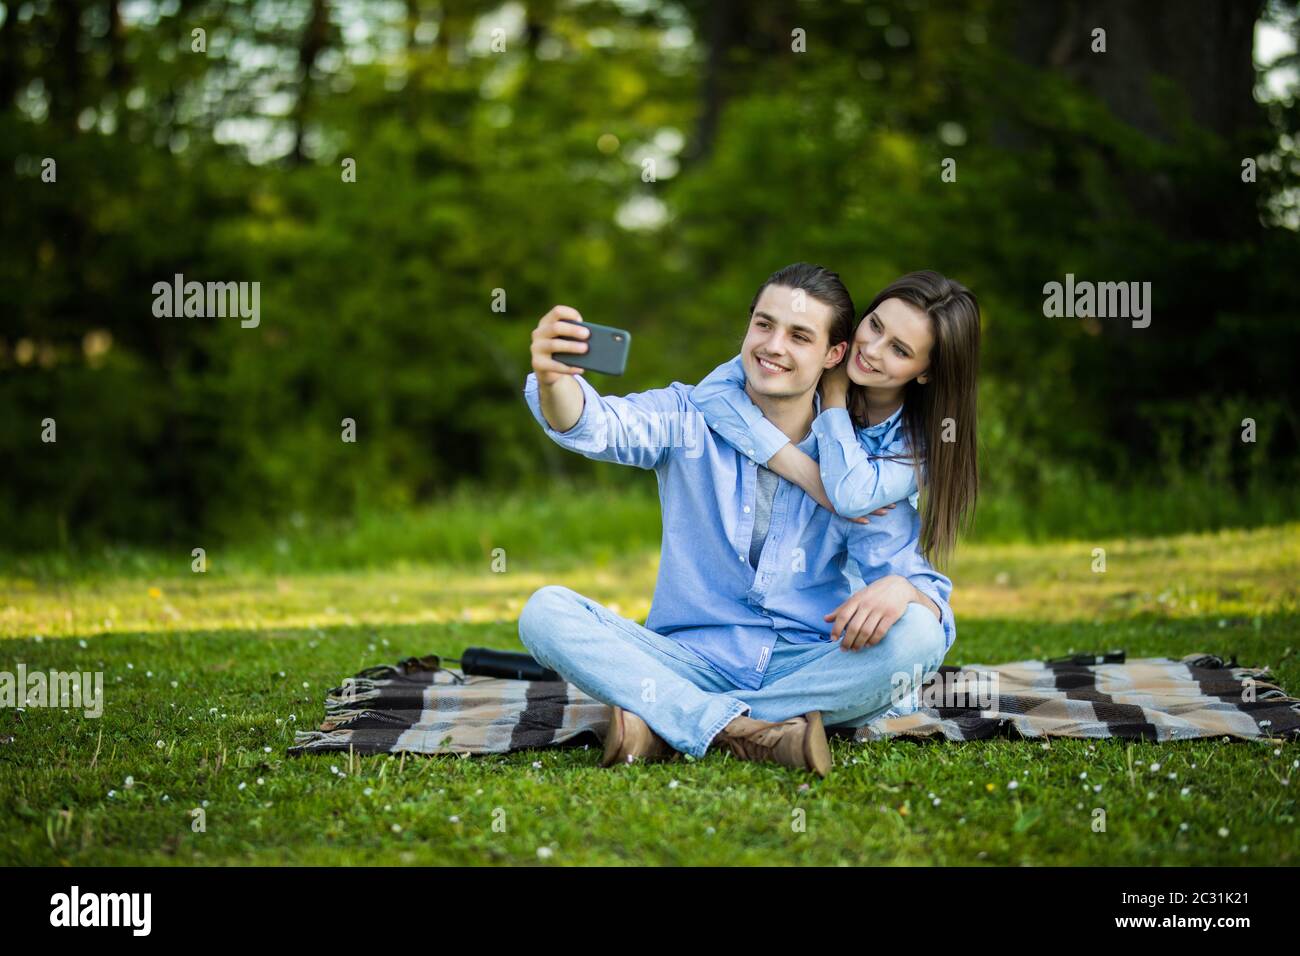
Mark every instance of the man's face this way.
pixel 786 348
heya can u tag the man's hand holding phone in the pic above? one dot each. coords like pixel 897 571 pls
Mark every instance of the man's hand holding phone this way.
pixel 557 332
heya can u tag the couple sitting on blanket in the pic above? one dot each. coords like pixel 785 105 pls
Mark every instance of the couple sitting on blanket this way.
pixel 757 592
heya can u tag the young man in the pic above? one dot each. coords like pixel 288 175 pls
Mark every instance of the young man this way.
pixel 739 648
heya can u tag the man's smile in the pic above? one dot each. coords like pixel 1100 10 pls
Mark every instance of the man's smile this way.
pixel 769 366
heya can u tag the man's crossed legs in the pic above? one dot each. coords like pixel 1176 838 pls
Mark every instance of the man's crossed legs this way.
pixel 687 702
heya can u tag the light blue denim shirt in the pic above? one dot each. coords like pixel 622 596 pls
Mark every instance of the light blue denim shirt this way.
pixel 707 596
pixel 856 483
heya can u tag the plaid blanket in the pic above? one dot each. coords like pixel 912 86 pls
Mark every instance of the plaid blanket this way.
pixel 421 707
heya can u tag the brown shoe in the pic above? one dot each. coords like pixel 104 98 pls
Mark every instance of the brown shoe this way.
pixel 630 740
pixel 798 742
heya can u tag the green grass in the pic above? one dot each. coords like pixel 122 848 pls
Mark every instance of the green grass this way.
pixel 252 646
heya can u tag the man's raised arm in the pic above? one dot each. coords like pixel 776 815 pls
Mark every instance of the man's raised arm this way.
pixel 637 429
pixel 560 396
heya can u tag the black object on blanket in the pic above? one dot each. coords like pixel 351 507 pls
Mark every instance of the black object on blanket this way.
pixel 508 664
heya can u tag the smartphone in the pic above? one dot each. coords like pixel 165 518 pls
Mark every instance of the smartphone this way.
pixel 606 350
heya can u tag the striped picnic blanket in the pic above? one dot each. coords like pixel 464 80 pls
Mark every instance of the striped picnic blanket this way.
pixel 420 707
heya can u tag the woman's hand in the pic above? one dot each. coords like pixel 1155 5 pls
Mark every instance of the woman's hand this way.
pixel 865 520
pixel 835 386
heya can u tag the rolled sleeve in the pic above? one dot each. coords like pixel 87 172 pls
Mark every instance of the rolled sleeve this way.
pixel 582 436
pixel 640 429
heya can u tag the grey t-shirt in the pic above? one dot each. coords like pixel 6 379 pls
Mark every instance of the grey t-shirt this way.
pixel 767 480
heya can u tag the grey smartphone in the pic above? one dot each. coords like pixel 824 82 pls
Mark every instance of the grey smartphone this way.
pixel 606 350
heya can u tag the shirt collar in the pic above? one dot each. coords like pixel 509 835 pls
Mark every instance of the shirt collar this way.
pixel 880 428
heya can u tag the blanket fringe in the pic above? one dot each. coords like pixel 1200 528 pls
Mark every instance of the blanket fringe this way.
pixel 305 739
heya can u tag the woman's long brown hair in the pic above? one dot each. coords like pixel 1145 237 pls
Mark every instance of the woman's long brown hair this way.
pixel 939 417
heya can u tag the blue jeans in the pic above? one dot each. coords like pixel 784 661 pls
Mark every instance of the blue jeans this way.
pixel 687 702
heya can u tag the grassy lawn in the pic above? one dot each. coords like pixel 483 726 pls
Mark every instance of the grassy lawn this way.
pixel 207 676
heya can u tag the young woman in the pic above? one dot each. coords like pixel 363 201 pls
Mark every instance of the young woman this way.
pixel 898 414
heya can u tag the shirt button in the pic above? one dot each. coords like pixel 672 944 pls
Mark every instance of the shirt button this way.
pixel 741 556
pixel 746 509
pixel 750 452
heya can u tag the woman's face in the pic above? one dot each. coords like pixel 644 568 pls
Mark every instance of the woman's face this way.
pixel 891 346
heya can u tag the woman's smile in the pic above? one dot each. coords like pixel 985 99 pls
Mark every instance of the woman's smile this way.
pixel 867 368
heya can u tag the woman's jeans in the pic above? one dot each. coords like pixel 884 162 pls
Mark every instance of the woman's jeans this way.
pixel 687 702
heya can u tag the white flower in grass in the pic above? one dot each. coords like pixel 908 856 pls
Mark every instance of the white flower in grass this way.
pixel 266 750
pixel 175 684
pixel 710 831
pixel 544 852
pixel 129 782
pixel 160 745
pixel 368 791
pixel 260 781
pixel 1155 767
pixel 82 643
pixel 397 828
pixel 453 819
pixel 130 666
pixel 1096 788
pixel 936 801
pixel 1011 785
pixel 1185 791
pixel 1083 775
pixel 242 785
pixel 1182 826
pixel 111 794
pixel 672 784
pixel 1223 831
pixel 1172 775
pixel 537 765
